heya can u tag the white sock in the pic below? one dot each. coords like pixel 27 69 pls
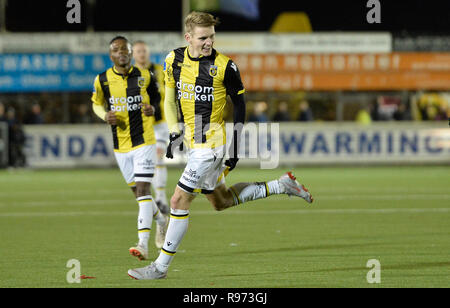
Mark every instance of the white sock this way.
pixel 178 225
pixel 160 182
pixel 161 195
pixel 145 218
pixel 275 188
pixel 244 192
pixel 158 216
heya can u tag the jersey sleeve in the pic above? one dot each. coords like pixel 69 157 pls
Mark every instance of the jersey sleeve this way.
pixel 98 97
pixel 232 80
pixel 168 70
pixel 155 96
pixel 159 72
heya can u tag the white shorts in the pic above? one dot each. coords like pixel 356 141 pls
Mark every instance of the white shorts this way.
pixel 161 135
pixel 137 165
pixel 204 170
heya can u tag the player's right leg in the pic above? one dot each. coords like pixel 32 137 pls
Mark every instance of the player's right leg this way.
pixel 137 167
pixel 126 166
pixel 292 187
pixel 145 218
pixel 286 184
pixel 222 197
pixel 178 225
pixel 161 229
pixel 160 180
pixel 200 162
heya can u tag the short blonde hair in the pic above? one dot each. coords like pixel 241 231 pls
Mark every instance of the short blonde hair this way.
pixel 199 19
pixel 139 42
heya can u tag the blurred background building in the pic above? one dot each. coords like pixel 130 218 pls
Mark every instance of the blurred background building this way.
pixel 303 64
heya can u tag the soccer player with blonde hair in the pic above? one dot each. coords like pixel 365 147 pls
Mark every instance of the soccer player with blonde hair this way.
pixel 200 78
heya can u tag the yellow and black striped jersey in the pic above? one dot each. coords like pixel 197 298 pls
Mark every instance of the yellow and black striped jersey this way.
pixel 125 95
pixel 158 72
pixel 202 85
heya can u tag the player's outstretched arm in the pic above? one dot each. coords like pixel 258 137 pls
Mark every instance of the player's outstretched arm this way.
pixel 238 120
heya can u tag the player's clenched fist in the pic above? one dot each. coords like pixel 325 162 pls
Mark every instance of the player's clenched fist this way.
pixel 111 118
pixel 148 110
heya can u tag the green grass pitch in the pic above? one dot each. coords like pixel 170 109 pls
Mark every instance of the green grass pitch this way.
pixel 397 215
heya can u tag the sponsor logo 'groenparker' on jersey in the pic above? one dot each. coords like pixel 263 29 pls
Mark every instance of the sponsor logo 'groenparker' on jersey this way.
pixel 189 91
pixel 129 103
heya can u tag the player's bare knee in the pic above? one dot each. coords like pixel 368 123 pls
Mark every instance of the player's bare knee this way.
pixel 174 202
pixel 142 189
pixel 181 200
pixel 141 192
pixel 178 203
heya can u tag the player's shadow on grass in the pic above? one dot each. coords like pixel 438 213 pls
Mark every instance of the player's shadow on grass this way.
pixel 299 248
pixel 407 266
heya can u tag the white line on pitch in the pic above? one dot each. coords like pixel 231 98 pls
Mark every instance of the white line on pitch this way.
pixel 64 202
pixel 364 190
pixel 385 197
pixel 238 212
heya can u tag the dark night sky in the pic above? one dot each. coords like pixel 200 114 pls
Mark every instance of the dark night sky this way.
pixel 414 16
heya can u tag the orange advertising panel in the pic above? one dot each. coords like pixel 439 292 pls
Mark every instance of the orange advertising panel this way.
pixel 345 71
pixel 346 81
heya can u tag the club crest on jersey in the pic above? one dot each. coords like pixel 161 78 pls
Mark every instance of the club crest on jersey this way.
pixel 141 82
pixel 213 70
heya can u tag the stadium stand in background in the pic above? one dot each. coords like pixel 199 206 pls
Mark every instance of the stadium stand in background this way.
pixel 297 67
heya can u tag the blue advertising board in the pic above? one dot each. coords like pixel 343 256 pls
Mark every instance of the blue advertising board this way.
pixel 53 72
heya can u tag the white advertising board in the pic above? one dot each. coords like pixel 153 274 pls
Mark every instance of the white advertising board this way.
pixel 226 42
pixel 268 145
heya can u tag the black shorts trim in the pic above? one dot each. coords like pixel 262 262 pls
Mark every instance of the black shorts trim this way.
pixel 186 188
pixel 192 190
pixel 143 175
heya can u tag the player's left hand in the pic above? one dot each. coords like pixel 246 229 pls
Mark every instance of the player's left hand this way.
pixel 175 139
pixel 148 110
pixel 232 162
